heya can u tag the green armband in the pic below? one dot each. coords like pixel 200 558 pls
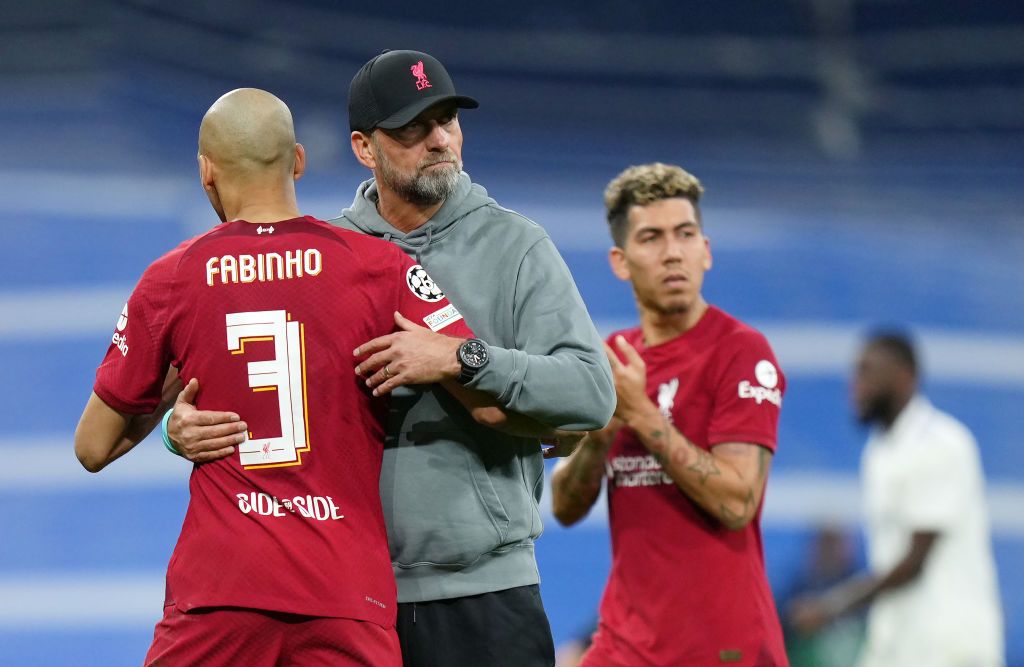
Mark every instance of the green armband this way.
pixel 163 433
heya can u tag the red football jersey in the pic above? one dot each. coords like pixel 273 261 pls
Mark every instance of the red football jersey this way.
pixel 266 317
pixel 684 589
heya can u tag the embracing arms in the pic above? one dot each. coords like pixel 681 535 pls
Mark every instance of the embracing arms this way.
pixel 412 355
pixel 103 434
pixel 554 346
pixel 520 391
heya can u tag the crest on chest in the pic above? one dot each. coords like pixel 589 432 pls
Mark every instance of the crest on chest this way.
pixel 667 397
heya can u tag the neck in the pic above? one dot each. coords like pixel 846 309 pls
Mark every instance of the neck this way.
pixel 403 215
pixel 896 408
pixel 659 327
pixel 260 203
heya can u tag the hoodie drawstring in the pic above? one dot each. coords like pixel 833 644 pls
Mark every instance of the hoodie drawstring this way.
pixel 417 248
pixel 420 246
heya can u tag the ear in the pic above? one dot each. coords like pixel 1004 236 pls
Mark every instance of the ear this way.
pixel 300 162
pixel 362 148
pixel 617 260
pixel 208 178
pixel 707 254
pixel 206 175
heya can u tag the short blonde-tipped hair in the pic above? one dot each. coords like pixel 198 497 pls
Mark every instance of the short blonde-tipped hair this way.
pixel 645 184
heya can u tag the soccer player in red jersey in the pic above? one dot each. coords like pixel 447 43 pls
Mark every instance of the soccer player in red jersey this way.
pixel 687 453
pixel 283 555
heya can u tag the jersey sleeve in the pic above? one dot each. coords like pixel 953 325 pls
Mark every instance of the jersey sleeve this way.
pixel 747 393
pixel 421 300
pixel 130 378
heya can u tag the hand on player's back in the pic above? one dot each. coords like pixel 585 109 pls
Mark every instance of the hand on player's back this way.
pixel 203 435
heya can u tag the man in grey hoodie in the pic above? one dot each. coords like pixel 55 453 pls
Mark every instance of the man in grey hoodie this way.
pixel 460 489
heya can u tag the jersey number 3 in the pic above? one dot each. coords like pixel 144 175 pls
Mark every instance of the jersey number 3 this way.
pixel 285 374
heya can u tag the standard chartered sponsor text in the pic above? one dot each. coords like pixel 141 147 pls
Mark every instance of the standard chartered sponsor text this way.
pixel 628 471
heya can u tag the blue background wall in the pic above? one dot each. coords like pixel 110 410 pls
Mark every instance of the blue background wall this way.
pixel 863 162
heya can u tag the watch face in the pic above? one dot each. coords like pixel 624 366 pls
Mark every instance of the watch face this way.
pixel 473 353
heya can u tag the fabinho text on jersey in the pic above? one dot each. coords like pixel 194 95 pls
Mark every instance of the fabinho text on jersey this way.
pixel 263 267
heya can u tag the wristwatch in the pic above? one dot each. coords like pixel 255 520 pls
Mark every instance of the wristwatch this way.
pixel 473 356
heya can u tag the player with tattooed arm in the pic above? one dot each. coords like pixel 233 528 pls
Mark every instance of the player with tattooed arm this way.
pixel 686 455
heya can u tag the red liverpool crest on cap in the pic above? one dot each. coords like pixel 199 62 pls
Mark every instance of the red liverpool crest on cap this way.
pixel 421 78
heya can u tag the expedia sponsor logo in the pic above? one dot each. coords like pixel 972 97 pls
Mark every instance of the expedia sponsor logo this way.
pixel 760 394
pixel 120 339
pixel 766 374
pixel 767 388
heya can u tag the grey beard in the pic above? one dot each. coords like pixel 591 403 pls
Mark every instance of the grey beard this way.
pixel 425 188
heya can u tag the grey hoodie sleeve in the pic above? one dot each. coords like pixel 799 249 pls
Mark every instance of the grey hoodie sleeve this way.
pixel 558 373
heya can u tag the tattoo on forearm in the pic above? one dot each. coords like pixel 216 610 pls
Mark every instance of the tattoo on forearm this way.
pixel 704 466
pixel 686 455
pixel 661 447
pixel 681 456
pixel 733 519
pixel 703 462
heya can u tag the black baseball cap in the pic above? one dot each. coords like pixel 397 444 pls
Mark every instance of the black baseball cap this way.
pixel 395 87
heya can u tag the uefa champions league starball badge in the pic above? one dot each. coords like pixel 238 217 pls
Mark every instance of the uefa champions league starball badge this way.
pixel 422 285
